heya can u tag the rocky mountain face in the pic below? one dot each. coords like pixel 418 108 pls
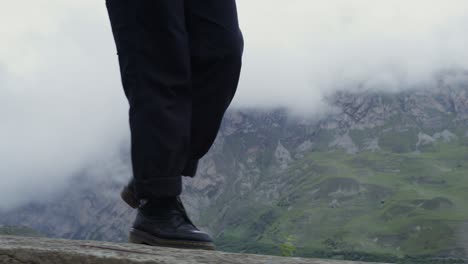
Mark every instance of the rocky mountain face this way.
pixel 381 174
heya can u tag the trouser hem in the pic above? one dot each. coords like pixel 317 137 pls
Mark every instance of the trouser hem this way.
pixel 190 168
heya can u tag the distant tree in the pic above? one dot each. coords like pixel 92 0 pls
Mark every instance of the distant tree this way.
pixel 288 249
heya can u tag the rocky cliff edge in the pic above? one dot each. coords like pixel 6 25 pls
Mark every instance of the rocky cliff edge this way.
pixel 16 250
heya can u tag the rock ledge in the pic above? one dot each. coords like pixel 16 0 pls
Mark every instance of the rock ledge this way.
pixel 17 250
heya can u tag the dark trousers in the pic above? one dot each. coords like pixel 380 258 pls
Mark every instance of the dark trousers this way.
pixel 180 62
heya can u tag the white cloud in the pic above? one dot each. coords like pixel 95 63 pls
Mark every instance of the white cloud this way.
pixel 298 50
pixel 61 104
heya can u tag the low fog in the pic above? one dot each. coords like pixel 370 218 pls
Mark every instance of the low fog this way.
pixel 62 106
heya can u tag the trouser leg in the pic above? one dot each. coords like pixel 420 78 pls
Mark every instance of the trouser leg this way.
pixel 216 47
pixel 154 58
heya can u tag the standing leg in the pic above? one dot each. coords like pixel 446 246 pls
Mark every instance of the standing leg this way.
pixel 154 57
pixel 161 44
pixel 216 47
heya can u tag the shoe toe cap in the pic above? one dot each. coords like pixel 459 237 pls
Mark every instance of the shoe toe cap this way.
pixel 201 236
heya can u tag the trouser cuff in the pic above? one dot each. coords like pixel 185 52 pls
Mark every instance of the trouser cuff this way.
pixel 158 187
pixel 190 168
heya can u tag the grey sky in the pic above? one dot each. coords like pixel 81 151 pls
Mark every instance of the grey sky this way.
pixel 62 106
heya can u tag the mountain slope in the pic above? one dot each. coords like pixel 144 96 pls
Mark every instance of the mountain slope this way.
pixel 385 173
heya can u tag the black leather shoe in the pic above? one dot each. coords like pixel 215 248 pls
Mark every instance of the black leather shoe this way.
pixel 165 223
pixel 128 195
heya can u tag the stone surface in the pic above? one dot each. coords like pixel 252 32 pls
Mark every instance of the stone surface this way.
pixel 45 250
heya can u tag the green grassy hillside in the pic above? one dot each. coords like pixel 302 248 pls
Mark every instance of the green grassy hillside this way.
pixel 18 231
pixel 392 202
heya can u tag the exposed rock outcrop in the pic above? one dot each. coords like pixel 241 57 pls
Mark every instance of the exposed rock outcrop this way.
pixel 45 250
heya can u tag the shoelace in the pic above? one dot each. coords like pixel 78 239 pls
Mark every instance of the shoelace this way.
pixel 181 212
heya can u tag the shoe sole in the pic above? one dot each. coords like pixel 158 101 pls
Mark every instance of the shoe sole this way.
pixel 140 237
pixel 127 195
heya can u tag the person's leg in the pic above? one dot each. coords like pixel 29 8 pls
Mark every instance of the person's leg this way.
pixel 154 55
pixel 152 43
pixel 216 47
